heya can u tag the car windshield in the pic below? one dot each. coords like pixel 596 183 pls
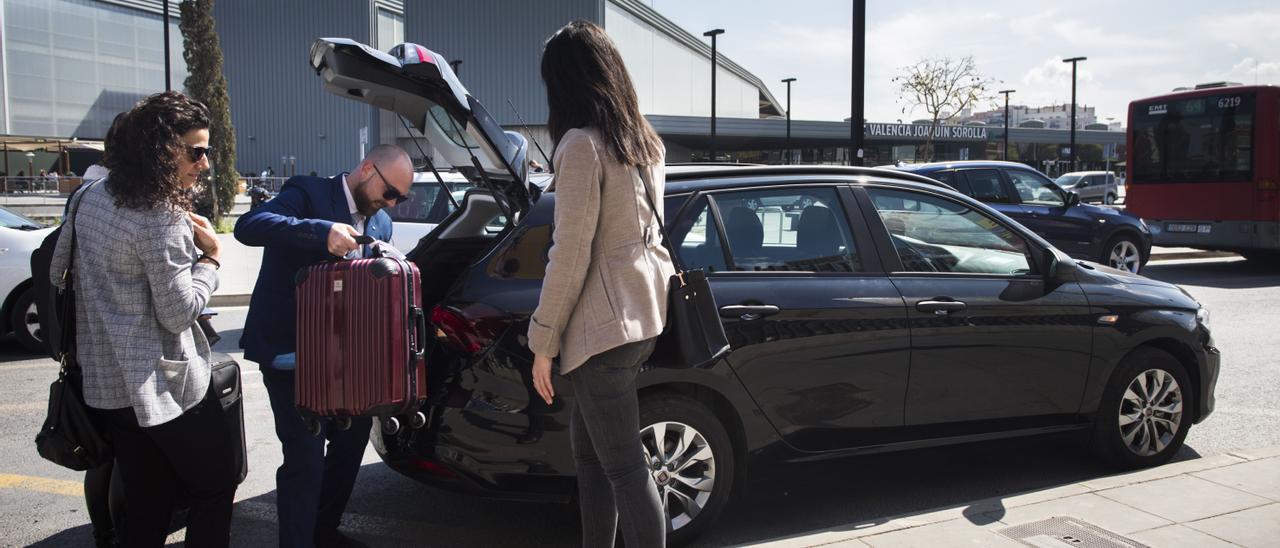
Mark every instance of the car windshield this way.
pixel 1068 180
pixel 11 219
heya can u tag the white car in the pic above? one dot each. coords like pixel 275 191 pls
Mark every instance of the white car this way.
pixel 19 236
pixel 427 206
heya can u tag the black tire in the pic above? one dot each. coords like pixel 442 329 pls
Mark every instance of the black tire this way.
pixel 1121 240
pixel 1109 199
pixel 669 408
pixel 1109 436
pixel 28 334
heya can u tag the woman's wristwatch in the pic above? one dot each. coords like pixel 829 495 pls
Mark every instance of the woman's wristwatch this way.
pixel 210 260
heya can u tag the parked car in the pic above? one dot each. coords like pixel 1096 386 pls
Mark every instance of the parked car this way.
pixel 868 310
pixel 1110 236
pixel 19 236
pixel 1100 186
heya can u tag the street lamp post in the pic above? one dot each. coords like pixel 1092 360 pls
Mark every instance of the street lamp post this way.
pixel 168 83
pixel 1006 122
pixel 788 81
pixel 1073 62
pixel 713 33
pixel 859 76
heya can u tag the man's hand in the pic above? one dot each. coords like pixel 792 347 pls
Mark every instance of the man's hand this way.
pixel 206 237
pixel 342 239
pixel 542 378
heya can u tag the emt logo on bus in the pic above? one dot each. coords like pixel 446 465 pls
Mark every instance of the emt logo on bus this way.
pixel 1157 109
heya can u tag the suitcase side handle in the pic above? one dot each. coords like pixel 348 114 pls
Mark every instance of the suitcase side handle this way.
pixel 420 332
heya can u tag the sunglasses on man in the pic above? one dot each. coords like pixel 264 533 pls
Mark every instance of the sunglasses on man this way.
pixel 391 195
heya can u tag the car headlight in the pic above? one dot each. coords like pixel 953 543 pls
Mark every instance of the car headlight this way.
pixel 1202 316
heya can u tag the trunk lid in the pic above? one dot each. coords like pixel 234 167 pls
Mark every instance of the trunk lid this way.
pixel 418 84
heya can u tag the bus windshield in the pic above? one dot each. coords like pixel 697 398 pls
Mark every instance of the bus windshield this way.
pixel 1203 139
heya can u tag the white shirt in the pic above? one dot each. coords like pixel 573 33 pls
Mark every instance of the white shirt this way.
pixel 357 220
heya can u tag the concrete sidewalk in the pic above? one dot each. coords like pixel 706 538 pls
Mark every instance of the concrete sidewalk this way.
pixel 1223 500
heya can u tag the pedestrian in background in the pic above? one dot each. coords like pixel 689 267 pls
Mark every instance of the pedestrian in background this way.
pixel 146 365
pixel 602 323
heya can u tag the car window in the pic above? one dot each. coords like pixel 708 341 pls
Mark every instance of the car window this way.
pixel 427 203
pixel 696 238
pixel 986 186
pixel 791 230
pixel 934 234
pixel 954 180
pixel 1035 190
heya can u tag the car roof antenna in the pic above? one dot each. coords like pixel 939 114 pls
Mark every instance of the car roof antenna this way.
pixel 530 135
pixel 427 157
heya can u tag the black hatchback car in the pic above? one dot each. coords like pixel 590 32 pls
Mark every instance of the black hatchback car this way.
pixel 868 310
pixel 1111 236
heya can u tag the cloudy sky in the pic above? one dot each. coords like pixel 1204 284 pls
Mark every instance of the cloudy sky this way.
pixel 1135 48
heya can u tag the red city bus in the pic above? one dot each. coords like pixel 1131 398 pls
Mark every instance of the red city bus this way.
pixel 1203 166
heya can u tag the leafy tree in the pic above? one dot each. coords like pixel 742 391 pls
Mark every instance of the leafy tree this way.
pixel 207 84
pixel 943 87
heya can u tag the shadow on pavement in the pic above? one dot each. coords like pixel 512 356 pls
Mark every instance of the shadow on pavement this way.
pixel 1224 274
pixel 858 493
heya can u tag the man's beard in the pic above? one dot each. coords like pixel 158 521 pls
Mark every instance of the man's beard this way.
pixel 363 205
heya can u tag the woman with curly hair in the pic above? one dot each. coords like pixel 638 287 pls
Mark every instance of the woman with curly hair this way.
pixel 146 364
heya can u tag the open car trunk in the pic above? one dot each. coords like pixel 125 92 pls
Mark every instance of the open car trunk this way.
pixel 418 85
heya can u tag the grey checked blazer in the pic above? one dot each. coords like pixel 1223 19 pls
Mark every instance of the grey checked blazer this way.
pixel 138 293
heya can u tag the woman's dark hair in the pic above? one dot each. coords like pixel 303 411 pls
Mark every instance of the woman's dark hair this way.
pixel 588 86
pixel 142 146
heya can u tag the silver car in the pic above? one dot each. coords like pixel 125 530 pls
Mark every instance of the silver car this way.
pixel 1091 186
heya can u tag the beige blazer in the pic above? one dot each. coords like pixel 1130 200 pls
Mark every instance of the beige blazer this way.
pixel 607 275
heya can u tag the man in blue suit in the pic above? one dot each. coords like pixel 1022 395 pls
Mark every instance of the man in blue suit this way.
pixel 313 219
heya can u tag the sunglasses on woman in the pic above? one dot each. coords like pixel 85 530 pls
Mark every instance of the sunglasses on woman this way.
pixel 197 153
pixel 391 195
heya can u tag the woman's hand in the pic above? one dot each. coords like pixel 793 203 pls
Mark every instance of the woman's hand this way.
pixel 206 237
pixel 542 377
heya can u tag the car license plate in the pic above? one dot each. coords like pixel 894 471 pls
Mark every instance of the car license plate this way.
pixel 1180 227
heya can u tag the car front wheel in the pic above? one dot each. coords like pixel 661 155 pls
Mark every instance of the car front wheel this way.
pixel 26 323
pixel 1145 412
pixel 1122 253
pixel 690 458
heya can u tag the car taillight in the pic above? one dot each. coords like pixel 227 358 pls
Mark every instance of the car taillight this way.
pixel 434 468
pixel 469 329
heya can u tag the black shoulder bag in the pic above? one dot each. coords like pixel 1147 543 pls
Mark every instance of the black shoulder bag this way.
pixel 694 336
pixel 70 435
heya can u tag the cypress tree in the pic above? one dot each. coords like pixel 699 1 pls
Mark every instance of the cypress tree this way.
pixel 206 83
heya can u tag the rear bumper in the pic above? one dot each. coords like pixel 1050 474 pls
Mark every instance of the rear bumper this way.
pixel 1222 235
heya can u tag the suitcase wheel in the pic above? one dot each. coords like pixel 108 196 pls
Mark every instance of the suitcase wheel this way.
pixel 343 423
pixel 417 420
pixel 313 425
pixel 390 425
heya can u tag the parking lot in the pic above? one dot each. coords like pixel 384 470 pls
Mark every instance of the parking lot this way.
pixel 41 504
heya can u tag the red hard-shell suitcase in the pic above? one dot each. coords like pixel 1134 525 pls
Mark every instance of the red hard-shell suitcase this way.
pixel 361 334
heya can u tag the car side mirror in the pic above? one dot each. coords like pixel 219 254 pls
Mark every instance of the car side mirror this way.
pixel 1073 199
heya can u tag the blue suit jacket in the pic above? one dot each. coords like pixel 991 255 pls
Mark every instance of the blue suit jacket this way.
pixel 293 228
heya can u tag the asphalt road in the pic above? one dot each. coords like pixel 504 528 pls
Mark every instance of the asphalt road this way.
pixel 40 503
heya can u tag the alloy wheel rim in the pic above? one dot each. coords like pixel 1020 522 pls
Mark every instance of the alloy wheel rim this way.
pixel 1150 412
pixel 1124 256
pixel 683 467
pixel 32 320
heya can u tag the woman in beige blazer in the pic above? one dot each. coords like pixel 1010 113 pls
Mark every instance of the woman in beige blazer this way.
pixel 604 298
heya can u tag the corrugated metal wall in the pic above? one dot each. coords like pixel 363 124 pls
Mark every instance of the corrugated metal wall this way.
pixel 500 44
pixel 277 105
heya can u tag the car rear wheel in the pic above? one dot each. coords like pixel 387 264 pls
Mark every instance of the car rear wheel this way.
pixel 1109 199
pixel 1122 253
pixel 1145 412
pixel 26 323
pixel 690 458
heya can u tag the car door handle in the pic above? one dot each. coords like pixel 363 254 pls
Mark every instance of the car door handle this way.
pixel 940 307
pixel 748 312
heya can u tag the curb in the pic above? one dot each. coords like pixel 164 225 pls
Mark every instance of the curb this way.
pixel 1158 257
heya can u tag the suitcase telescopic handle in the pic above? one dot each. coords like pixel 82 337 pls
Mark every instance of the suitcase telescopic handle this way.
pixel 420 332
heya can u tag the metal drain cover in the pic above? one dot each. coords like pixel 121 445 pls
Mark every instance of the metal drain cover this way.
pixel 1064 532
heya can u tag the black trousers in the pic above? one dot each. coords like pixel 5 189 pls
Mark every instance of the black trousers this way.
pixel 195 453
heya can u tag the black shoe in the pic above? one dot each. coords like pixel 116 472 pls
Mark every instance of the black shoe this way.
pixel 337 539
